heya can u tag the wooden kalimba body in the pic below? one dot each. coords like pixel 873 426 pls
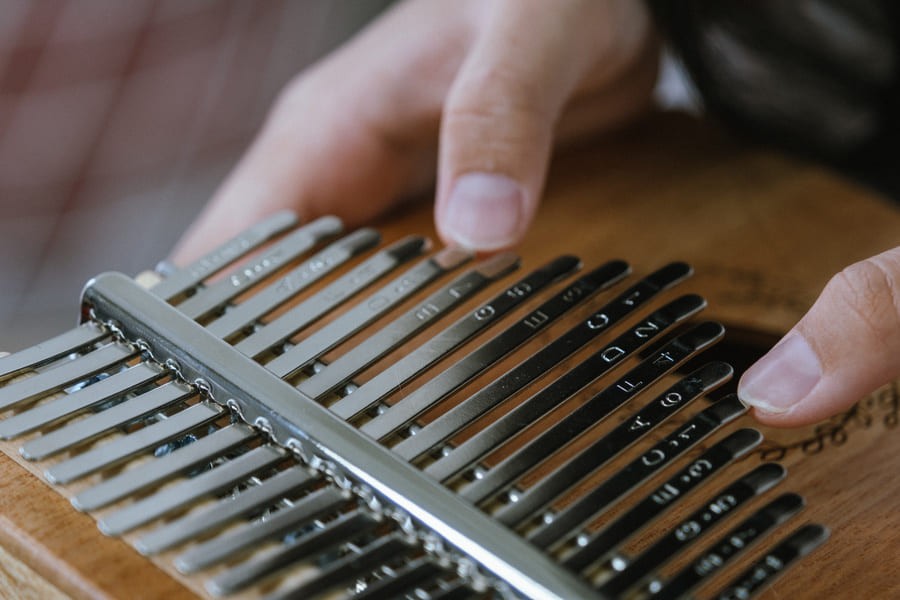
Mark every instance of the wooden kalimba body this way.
pixel 403 420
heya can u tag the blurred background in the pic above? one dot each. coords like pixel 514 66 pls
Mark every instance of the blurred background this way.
pixel 118 120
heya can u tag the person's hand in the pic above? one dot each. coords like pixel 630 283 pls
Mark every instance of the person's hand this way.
pixel 846 346
pixel 478 89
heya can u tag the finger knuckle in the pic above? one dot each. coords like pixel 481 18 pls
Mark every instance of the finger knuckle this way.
pixel 870 291
pixel 492 93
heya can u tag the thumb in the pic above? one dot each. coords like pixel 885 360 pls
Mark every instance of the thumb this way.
pixel 844 348
pixel 498 120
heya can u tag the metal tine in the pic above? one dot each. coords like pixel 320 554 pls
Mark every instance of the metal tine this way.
pixel 287 325
pixel 452 337
pixel 301 513
pixel 228 510
pixel 315 542
pixel 456 590
pixel 601 545
pixel 538 496
pixel 96 425
pixel 576 515
pixel 417 573
pixel 715 510
pixel 764 571
pixel 73 340
pixel 104 390
pixel 598 364
pixel 237 376
pixel 163 468
pixel 345 569
pixel 405 326
pixel 364 313
pixel 245 276
pixel 122 449
pixel 71 371
pixel 450 379
pixel 586 415
pixel 245 242
pixel 274 295
pixel 191 490
pixel 728 547
pixel 539 363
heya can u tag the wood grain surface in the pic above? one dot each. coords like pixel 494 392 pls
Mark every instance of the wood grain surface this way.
pixel 763 232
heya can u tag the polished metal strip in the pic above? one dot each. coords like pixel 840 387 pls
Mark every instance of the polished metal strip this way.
pixel 664 360
pixel 714 510
pixel 58 377
pixel 164 468
pixel 94 426
pixel 730 546
pixel 404 411
pixel 316 505
pixel 104 390
pixel 765 570
pixel 564 387
pixel 71 341
pixel 184 279
pixel 287 325
pixel 457 590
pixel 314 431
pixel 580 512
pixel 380 386
pixel 245 314
pixel 226 511
pixel 315 542
pixel 191 490
pixel 347 568
pixel 367 311
pixel 402 581
pixel 279 255
pixel 588 460
pixel 600 545
pixel 404 327
pixel 122 449
pixel 442 428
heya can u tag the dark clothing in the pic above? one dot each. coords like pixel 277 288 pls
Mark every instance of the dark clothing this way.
pixel 818 77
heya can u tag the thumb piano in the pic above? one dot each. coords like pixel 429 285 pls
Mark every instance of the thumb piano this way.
pixel 307 412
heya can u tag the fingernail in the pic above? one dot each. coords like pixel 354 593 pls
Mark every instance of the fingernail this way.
pixel 783 377
pixel 485 211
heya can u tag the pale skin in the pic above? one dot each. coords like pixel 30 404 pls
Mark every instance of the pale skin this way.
pixel 477 94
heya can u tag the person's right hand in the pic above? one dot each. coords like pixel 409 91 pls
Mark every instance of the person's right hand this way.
pixel 845 347
pixel 478 89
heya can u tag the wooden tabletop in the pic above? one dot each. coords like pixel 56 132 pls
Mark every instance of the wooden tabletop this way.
pixel 763 232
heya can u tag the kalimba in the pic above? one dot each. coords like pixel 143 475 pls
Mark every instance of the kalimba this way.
pixel 303 413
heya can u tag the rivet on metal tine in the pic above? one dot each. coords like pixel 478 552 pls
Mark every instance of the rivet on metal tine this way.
pixel 295 446
pixel 235 408
pixel 202 386
pixel 144 347
pixel 265 426
pixel 434 544
pixel 370 500
pixel 92 315
pixel 114 329
pixel 467 569
pixel 403 520
pixel 337 476
pixel 173 365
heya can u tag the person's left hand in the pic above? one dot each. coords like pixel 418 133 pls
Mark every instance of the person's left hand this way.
pixel 845 347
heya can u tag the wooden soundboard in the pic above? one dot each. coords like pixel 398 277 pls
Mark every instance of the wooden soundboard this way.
pixel 763 233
